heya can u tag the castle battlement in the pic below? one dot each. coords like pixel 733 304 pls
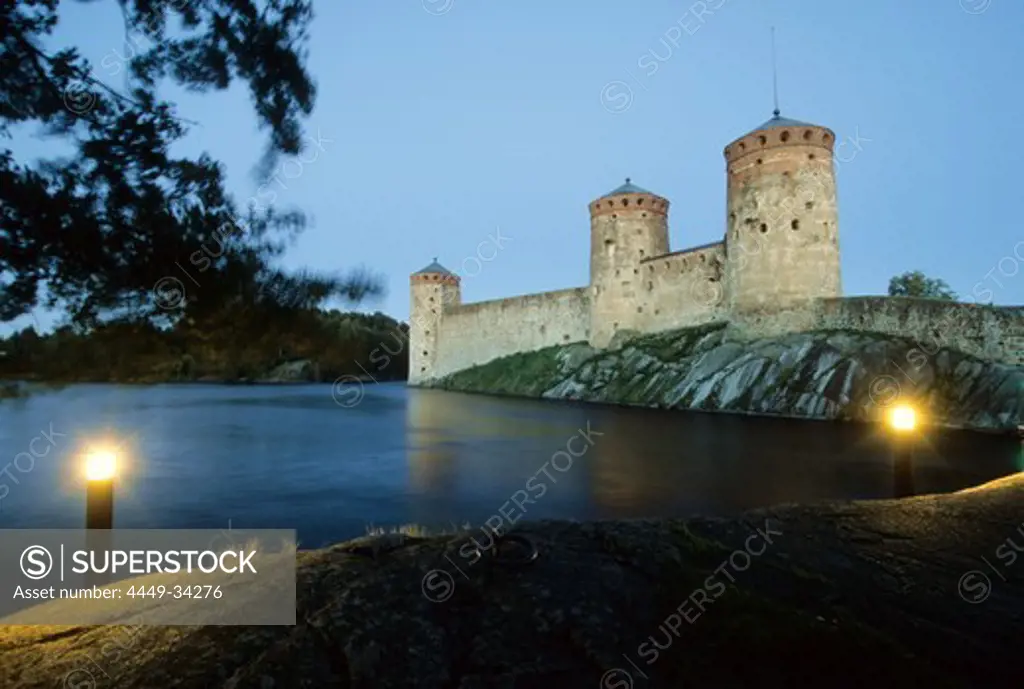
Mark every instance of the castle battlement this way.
pixel 435 279
pixel 629 199
pixel 780 133
pixel 775 270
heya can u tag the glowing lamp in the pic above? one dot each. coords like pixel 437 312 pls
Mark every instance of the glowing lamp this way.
pixel 100 469
pixel 100 465
pixel 903 421
pixel 903 418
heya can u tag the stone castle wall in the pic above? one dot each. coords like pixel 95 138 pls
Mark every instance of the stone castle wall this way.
pixel 473 334
pixel 681 289
pixel 678 295
pixel 994 333
pixel 990 332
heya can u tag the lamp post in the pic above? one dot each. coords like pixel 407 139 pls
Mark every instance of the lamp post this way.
pixel 903 424
pixel 100 469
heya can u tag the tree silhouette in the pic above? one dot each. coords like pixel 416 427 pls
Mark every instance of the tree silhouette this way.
pixel 94 233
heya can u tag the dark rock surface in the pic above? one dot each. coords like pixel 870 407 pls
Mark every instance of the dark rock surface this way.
pixel 925 591
pixel 819 375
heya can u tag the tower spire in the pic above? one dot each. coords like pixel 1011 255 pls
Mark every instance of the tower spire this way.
pixel 775 78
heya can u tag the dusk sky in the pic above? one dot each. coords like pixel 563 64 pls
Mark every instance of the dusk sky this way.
pixel 446 125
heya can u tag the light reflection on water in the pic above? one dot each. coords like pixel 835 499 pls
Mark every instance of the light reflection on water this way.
pixel 289 457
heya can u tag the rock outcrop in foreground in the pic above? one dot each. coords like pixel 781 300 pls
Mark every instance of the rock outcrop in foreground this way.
pixel 922 592
pixel 821 375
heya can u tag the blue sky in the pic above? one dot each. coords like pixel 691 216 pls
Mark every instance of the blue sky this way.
pixel 445 124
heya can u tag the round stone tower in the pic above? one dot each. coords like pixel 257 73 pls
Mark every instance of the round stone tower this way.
pixel 782 229
pixel 627 225
pixel 432 290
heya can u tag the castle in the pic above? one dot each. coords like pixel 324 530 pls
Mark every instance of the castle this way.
pixel 776 270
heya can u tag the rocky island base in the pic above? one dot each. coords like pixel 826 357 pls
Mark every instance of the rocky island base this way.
pixel 924 591
pixel 833 375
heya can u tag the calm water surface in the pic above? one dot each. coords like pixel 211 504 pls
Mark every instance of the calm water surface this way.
pixel 291 457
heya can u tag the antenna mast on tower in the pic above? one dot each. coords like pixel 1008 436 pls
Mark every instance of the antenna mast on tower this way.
pixel 775 77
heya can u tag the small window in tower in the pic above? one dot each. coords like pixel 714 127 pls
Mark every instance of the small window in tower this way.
pixel 614 216
pixel 427 332
pixel 543 329
pixel 657 311
pixel 807 135
pixel 743 146
pixel 763 140
pixel 431 299
pixel 764 228
pixel 625 202
pixel 759 161
pixel 732 217
pixel 422 369
pixel 810 156
pixel 636 272
pixel 639 309
pixel 641 252
pixel 424 352
pixel 795 224
pixel 611 203
pixel 650 286
pixel 643 215
pixel 784 136
pixel 617 271
pixel 809 205
pixel 640 202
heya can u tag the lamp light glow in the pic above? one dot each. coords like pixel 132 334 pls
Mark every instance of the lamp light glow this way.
pixel 903 418
pixel 100 465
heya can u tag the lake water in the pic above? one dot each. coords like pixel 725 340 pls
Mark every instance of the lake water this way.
pixel 293 457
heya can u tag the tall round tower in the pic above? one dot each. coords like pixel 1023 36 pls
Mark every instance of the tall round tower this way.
pixel 782 230
pixel 432 290
pixel 627 225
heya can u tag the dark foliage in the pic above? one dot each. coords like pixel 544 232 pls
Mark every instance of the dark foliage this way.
pixel 98 234
pixel 917 284
pixel 238 348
